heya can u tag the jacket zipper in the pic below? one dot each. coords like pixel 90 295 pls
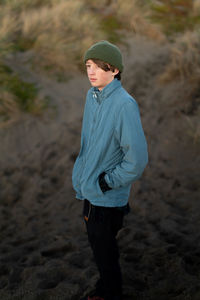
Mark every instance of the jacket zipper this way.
pixel 90 137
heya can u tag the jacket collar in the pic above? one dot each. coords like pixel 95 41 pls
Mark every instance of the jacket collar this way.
pixel 106 91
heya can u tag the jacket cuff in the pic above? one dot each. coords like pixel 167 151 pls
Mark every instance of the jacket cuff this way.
pixel 103 184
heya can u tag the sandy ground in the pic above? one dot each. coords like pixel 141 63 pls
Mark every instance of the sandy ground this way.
pixel 44 252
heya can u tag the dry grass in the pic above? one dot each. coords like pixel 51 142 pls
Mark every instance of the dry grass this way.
pixel 8 104
pixel 134 17
pixel 175 16
pixel 196 7
pixel 17 96
pixel 59 33
pixel 98 5
pixel 185 66
pixel 9 110
pixel 194 128
pixel 185 59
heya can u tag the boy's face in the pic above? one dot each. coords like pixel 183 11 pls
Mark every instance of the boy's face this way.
pixel 97 76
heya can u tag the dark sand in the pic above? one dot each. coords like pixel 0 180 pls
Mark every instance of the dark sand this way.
pixel 44 252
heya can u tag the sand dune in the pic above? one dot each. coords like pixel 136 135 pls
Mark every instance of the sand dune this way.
pixel 44 251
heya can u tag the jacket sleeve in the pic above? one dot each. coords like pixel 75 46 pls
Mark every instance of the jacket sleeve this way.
pixel 130 135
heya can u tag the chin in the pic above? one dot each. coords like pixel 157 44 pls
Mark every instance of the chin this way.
pixel 94 84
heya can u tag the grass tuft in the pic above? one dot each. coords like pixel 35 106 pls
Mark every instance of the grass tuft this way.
pixel 17 96
pixel 175 16
pixel 58 32
pixel 133 17
pixel 185 60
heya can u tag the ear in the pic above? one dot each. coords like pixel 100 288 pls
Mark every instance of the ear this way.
pixel 115 72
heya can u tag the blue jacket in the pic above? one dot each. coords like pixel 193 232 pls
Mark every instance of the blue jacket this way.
pixel 113 142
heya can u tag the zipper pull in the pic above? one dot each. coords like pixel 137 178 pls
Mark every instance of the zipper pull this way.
pixel 94 95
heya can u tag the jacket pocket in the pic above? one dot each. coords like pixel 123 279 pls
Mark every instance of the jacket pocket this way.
pixel 102 183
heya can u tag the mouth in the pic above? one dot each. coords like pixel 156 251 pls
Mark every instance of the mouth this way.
pixel 92 79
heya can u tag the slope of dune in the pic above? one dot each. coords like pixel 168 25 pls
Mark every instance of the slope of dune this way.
pixel 44 251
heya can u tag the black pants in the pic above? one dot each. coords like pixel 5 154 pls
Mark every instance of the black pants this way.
pixel 102 225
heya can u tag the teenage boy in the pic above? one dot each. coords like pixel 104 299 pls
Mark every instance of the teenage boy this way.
pixel 113 155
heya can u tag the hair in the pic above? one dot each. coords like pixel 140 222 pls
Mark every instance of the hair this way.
pixel 106 67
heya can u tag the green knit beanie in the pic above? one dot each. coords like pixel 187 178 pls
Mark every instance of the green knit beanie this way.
pixel 106 52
